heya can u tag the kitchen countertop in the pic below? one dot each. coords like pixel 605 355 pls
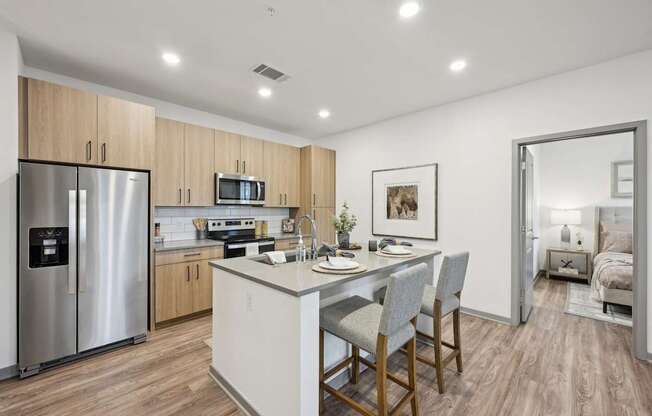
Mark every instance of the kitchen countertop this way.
pixel 194 244
pixel 186 244
pixel 298 279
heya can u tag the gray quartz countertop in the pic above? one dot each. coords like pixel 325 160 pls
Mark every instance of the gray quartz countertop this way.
pixel 298 279
pixel 186 244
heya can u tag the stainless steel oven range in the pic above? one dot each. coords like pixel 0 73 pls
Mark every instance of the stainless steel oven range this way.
pixel 239 236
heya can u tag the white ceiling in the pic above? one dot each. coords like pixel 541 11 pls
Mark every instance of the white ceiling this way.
pixel 355 57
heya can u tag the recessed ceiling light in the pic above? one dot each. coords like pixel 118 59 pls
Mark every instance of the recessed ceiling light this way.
pixel 171 58
pixel 264 92
pixel 324 113
pixel 457 65
pixel 409 8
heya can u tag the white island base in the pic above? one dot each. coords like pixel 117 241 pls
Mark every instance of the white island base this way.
pixel 266 328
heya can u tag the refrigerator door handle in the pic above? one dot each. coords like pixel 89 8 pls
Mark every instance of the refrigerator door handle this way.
pixel 72 241
pixel 82 240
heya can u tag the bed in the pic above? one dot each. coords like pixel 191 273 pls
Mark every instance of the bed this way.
pixel 613 271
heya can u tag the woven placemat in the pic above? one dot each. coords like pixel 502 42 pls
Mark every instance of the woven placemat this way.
pixel 396 256
pixel 358 269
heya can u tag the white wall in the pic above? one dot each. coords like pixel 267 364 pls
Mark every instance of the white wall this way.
pixel 172 111
pixel 471 140
pixel 10 66
pixel 576 174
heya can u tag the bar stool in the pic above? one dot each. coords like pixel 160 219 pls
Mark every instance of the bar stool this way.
pixel 440 302
pixel 380 330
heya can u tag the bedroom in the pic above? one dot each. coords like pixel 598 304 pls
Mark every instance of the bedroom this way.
pixel 581 203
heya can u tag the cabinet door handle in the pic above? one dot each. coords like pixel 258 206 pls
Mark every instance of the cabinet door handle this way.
pixel 280 199
pixel 192 254
pixel 286 199
pixel 314 199
pixel 244 166
pixel 188 195
pixel 197 265
pixel 187 273
pixel 89 150
pixel 237 166
pixel 180 197
pixel 103 152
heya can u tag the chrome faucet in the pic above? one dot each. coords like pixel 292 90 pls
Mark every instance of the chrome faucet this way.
pixel 313 247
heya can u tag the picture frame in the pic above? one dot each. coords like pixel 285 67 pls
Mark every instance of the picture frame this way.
pixel 622 179
pixel 405 202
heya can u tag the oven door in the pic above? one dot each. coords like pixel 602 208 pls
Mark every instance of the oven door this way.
pixel 265 246
pixel 238 190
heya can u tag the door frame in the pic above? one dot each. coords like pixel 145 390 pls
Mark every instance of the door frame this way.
pixel 639 309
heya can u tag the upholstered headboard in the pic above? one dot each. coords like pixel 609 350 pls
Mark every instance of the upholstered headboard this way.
pixel 622 216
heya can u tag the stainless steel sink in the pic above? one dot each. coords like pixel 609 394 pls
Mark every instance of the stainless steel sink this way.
pixel 290 257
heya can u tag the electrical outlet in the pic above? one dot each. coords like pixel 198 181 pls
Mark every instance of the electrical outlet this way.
pixel 250 303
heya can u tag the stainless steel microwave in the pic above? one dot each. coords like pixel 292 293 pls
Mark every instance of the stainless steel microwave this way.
pixel 238 190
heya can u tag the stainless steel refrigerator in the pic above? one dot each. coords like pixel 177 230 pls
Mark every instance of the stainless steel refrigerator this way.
pixel 83 261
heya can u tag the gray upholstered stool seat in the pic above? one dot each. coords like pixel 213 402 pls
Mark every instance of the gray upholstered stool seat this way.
pixel 357 320
pixel 450 304
pixel 380 330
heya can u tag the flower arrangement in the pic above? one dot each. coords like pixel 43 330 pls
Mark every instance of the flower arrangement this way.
pixel 345 222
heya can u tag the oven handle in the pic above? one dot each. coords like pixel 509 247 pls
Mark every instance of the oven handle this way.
pixel 244 245
pixel 258 189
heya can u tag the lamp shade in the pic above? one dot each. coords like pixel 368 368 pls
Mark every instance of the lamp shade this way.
pixel 565 217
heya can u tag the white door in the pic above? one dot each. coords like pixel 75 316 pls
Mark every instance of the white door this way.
pixel 527 233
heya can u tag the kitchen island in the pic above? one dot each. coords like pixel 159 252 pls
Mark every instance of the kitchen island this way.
pixel 266 326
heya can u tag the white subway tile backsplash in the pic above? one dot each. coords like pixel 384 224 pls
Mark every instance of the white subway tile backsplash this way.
pixel 176 222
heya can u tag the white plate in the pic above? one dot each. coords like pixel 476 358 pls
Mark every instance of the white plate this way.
pixel 344 266
pixel 396 251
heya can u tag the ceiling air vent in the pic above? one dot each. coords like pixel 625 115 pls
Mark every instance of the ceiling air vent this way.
pixel 271 73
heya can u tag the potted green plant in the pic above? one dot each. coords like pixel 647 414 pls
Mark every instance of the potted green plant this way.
pixel 344 224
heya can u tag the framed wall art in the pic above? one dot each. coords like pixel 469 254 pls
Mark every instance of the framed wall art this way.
pixel 404 202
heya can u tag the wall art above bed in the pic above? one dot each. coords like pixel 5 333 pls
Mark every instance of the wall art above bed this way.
pixel 404 202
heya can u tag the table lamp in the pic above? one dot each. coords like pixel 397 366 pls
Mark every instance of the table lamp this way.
pixel 565 217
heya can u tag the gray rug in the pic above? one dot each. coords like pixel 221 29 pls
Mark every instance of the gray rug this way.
pixel 580 303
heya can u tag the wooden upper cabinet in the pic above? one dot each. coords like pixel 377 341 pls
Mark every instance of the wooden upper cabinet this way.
pixel 318 177
pixel 323 177
pixel 272 165
pixel 169 163
pixel 227 153
pixel 199 166
pixel 281 173
pixel 251 153
pixel 61 123
pixel 291 162
pixel 126 133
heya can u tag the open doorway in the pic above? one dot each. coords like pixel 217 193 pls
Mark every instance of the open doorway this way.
pixel 568 206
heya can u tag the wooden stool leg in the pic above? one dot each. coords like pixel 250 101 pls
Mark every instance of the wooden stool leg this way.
pixel 437 341
pixel 321 370
pixel 412 371
pixel 355 366
pixel 381 375
pixel 457 339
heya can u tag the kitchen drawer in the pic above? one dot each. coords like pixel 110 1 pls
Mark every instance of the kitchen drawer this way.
pixel 286 244
pixel 180 256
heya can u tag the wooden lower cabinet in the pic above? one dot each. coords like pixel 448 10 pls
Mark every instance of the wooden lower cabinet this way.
pixel 325 228
pixel 183 288
pixel 202 287
pixel 287 244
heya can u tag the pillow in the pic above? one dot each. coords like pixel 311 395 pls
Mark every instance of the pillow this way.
pixel 616 242
pixel 615 227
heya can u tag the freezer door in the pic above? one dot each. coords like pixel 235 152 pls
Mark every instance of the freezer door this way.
pixel 47 303
pixel 113 256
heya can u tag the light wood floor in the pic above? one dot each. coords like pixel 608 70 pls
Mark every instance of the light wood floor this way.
pixel 557 364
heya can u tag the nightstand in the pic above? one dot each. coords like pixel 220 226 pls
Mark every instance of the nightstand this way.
pixel 581 260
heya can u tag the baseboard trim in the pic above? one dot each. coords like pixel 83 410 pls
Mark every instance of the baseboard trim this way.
pixel 8 372
pixel 233 394
pixel 488 316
